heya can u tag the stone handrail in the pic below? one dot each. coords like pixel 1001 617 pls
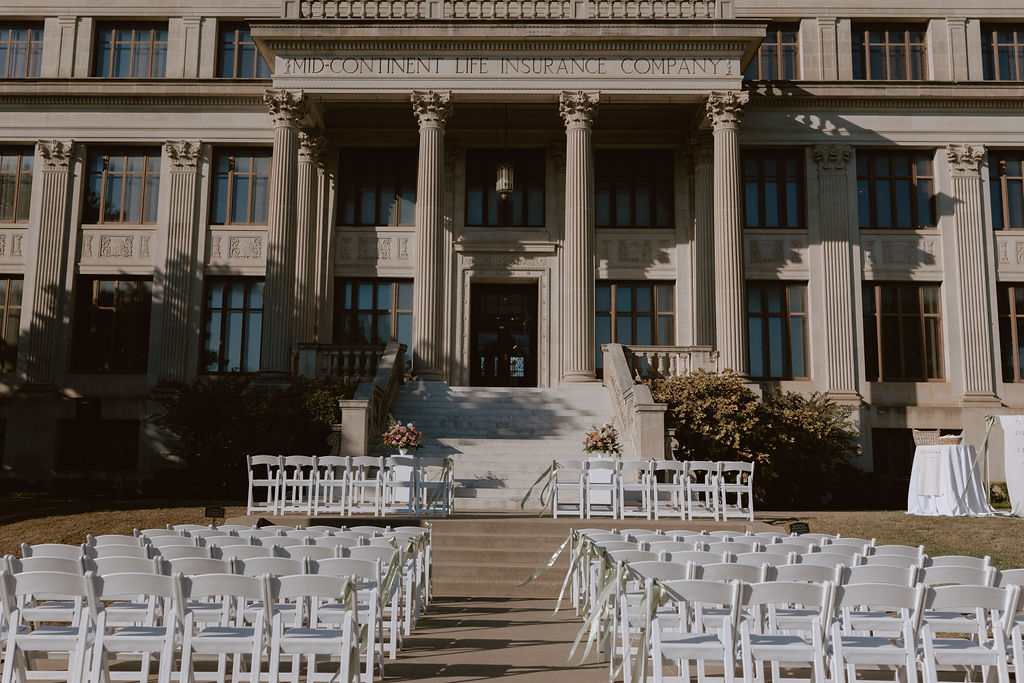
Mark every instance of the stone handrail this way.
pixel 365 415
pixel 669 361
pixel 508 9
pixel 337 362
pixel 638 416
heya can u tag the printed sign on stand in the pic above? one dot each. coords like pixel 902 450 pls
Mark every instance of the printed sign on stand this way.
pixel 1013 449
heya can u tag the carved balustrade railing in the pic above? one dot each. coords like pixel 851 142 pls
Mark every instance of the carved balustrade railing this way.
pixel 337 361
pixel 365 415
pixel 669 361
pixel 508 9
pixel 638 416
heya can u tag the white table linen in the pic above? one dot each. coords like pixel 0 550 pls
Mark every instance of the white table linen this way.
pixel 946 480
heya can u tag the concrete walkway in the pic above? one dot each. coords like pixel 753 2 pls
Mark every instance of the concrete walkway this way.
pixel 478 639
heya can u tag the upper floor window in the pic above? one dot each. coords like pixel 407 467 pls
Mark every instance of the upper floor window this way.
pixel 640 313
pixel 21 50
pixel 232 325
pixel 777 329
pixel 237 54
pixel 1006 185
pixel 131 51
pixel 634 188
pixel 895 189
pixel 10 321
pixel 240 187
pixel 889 53
pixel 1002 53
pixel 111 332
pixel 377 187
pixel 123 186
pixel 773 188
pixel 902 332
pixel 523 207
pixel 15 184
pixel 776 59
pixel 1011 331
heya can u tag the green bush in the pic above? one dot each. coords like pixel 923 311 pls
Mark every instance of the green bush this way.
pixel 797 441
pixel 216 421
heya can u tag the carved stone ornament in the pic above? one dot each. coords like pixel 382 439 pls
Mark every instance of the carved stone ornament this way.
pixel 725 108
pixel 184 154
pixel 286 108
pixel 313 146
pixel 578 108
pixel 56 154
pixel 701 148
pixel 832 158
pixel 431 107
pixel 965 159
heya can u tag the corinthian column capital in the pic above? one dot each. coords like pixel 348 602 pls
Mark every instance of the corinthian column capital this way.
pixel 578 107
pixel 286 108
pixel 56 154
pixel 701 148
pixel 184 154
pixel 313 146
pixel 431 107
pixel 725 108
pixel 832 158
pixel 964 160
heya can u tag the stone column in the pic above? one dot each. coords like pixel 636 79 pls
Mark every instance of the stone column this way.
pixel 702 153
pixel 46 321
pixel 175 280
pixel 286 109
pixel 724 110
pixel 432 110
pixel 840 346
pixel 311 152
pixel 579 337
pixel 973 246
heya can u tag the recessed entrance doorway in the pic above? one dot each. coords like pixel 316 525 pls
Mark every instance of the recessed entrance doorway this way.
pixel 503 333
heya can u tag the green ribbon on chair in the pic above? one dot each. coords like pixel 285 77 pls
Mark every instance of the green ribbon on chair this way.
pixel 436 492
pixel 610 579
pixel 548 477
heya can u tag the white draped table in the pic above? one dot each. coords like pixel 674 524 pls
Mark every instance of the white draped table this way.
pixel 945 480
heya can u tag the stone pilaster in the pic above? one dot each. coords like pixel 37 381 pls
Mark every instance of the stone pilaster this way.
pixel 432 110
pixel 175 279
pixel 312 147
pixel 286 110
pixel 701 150
pixel 48 285
pixel 840 346
pixel 578 110
pixel 724 110
pixel 973 243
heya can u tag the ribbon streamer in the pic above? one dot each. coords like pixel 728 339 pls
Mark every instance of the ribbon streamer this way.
pixel 545 493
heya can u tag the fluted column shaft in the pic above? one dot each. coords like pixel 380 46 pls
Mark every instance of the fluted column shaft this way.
pixel 972 245
pixel 47 315
pixel 701 151
pixel 725 109
pixel 175 280
pixel 311 147
pixel 837 261
pixel 579 338
pixel 286 110
pixel 432 110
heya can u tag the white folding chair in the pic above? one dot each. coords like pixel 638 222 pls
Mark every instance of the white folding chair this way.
pixel 312 552
pixel 600 486
pixel 365 480
pixel 634 489
pixel 70 552
pixel 140 551
pixel 45 564
pixel 434 484
pixel 331 487
pixel 701 490
pixel 264 474
pixel 567 491
pixel 298 480
pixel 736 483
pixel 173 552
pixel 852 645
pixel 400 485
pixel 667 488
pixel 128 565
pixel 114 539
pixel 367 578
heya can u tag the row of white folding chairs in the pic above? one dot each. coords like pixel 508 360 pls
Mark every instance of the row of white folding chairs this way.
pixel 653 488
pixel 180 620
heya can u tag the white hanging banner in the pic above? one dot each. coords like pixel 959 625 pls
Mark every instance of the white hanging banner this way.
pixel 1013 454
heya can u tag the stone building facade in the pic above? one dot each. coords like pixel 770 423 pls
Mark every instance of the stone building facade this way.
pixel 830 194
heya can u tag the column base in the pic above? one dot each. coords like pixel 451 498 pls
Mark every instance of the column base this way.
pixel 845 397
pixel 579 376
pixel 980 400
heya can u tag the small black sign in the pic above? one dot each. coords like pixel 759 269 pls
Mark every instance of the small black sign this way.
pixel 799 528
pixel 214 512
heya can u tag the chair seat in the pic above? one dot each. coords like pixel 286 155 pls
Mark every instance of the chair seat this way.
pixel 51 638
pixel 960 651
pixel 946 622
pixel 138 639
pixel 691 645
pixel 874 622
pixel 781 648
pixel 217 639
pixel 873 650
pixel 312 641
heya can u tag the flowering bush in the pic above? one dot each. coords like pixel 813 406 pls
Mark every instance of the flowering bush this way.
pixel 603 439
pixel 403 436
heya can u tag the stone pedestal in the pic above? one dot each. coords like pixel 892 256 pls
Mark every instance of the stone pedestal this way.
pixel 702 153
pixel 579 338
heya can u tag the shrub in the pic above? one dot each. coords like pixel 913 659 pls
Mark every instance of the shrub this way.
pixel 215 421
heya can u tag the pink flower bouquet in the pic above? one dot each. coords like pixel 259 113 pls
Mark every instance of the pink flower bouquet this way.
pixel 603 439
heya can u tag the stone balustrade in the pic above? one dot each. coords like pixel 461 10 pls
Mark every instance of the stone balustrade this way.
pixel 669 361
pixel 639 418
pixel 508 9
pixel 337 362
pixel 365 416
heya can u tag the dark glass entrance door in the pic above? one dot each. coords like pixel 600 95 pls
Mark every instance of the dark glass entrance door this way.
pixel 503 332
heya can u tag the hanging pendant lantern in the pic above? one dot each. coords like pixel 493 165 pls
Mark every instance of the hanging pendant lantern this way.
pixel 506 183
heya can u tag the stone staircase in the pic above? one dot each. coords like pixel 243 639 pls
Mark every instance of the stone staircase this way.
pixel 502 439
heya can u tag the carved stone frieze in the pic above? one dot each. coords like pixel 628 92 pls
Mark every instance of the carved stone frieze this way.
pixel 965 160
pixel 578 108
pixel 286 108
pixel 431 107
pixel 725 108
pixel 237 248
pixel 117 246
pixel 184 154
pixel 634 251
pixel 56 154
pixel 504 261
pixel 832 158
pixel 900 253
pixel 767 251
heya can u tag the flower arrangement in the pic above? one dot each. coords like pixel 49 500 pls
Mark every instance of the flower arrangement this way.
pixel 603 439
pixel 403 437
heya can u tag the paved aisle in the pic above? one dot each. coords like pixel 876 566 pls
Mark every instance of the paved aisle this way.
pixel 478 639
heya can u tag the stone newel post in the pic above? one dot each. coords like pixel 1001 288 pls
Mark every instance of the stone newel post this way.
pixel 432 110
pixel 579 338
pixel 724 110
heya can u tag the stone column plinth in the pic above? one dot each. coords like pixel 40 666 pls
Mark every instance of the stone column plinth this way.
pixel 311 151
pixel 724 110
pixel 175 279
pixel 286 109
pixel 973 246
pixel 46 318
pixel 840 346
pixel 702 153
pixel 432 110
pixel 578 110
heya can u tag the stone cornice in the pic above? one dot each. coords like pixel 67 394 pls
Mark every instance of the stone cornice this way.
pixel 860 95
pixel 113 92
pixel 448 45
